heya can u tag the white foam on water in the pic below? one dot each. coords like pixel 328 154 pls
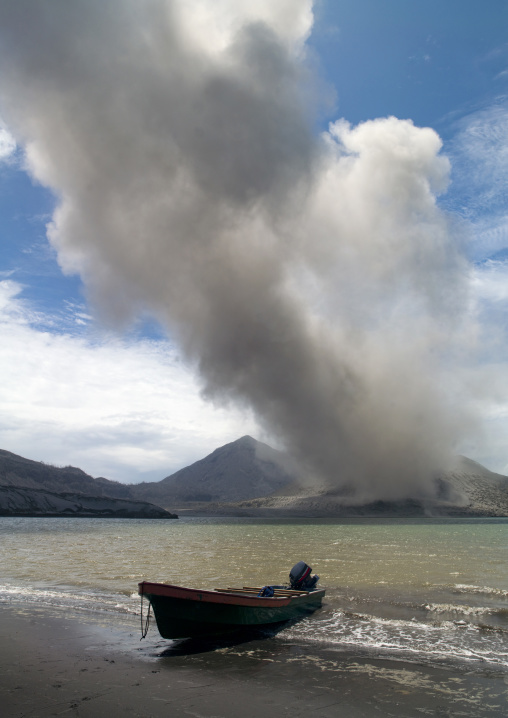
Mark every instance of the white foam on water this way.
pixel 486 590
pixel 457 608
pixel 431 641
pixel 90 600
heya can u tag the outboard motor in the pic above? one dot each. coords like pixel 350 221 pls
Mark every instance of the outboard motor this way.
pixel 300 578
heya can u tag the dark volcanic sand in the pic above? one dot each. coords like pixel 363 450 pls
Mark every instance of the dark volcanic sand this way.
pixel 61 664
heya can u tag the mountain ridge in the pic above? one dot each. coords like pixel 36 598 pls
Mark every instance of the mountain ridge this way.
pixel 18 471
pixel 247 477
pixel 242 469
pixel 34 488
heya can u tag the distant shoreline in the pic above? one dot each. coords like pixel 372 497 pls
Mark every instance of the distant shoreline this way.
pixel 84 516
pixel 225 512
pixel 255 514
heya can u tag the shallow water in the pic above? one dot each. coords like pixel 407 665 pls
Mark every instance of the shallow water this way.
pixel 430 590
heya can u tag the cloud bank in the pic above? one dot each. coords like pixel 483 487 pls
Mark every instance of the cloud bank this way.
pixel 312 279
pixel 126 409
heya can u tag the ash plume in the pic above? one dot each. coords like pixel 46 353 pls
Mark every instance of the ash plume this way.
pixel 310 278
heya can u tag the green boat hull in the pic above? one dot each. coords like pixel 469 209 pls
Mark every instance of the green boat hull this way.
pixel 183 618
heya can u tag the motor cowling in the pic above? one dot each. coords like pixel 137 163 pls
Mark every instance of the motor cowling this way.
pixel 300 577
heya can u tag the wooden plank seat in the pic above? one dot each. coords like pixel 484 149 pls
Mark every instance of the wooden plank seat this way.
pixel 254 591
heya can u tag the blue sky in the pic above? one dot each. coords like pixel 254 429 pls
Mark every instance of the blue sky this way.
pixel 432 62
pixel 123 402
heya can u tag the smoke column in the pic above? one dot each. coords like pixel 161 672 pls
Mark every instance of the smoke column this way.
pixel 311 278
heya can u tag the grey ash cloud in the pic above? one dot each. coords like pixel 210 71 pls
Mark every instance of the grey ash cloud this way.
pixel 311 278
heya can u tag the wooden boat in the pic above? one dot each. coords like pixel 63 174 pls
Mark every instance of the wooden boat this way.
pixel 189 612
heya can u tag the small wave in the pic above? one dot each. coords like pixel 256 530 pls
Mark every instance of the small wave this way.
pixel 456 608
pixel 485 590
pixel 90 600
pixel 429 641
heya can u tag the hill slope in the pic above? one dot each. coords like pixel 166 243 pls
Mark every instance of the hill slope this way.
pixel 243 469
pixel 473 487
pixel 16 471
pixel 32 488
pixel 15 501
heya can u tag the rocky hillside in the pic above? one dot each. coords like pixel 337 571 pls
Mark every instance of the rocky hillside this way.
pixel 17 471
pixel 470 486
pixel 33 488
pixel 37 502
pixel 243 469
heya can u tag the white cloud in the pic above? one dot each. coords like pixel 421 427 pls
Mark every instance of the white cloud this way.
pixel 488 392
pixel 491 282
pixel 7 143
pixel 479 154
pixel 212 25
pixel 120 409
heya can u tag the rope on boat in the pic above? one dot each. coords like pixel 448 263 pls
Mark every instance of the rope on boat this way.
pixel 146 626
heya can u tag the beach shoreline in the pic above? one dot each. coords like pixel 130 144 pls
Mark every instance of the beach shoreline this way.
pixel 55 662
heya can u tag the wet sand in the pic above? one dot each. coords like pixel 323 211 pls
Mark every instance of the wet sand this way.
pixel 56 663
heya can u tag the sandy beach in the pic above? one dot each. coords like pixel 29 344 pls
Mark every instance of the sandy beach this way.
pixel 56 663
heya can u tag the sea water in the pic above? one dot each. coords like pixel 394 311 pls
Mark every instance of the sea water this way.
pixel 431 590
